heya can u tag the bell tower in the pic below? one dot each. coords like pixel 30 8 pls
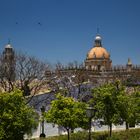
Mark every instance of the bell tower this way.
pixel 8 58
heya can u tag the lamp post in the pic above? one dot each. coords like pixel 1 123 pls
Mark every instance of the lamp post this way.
pixel 90 114
pixel 42 123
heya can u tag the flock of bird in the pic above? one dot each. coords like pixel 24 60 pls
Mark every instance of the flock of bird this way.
pixel 38 23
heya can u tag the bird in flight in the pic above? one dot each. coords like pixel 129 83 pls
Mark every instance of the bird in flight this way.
pixel 39 23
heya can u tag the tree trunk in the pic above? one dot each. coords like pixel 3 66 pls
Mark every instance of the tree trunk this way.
pixel 68 134
pixel 110 129
pixel 127 125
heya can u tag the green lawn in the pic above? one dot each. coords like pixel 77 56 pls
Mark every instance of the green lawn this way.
pixel 133 134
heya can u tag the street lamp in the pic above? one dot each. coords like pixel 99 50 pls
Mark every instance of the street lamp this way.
pixel 90 113
pixel 42 123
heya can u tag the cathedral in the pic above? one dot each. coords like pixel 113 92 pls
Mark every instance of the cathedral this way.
pixel 98 66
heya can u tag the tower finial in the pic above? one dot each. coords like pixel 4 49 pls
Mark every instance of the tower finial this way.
pixel 97 30
pixel 8 45
pixel 9 41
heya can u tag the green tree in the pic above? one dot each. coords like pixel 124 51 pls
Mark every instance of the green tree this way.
pixel 137 105
pixel 67 112
pixel 129 108
pixel 125 107
pixel 105 99
pixel 16 118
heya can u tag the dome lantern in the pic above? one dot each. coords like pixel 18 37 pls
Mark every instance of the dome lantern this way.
pixel 98 41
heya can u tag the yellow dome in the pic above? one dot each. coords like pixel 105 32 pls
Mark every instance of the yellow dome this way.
pixel 98 52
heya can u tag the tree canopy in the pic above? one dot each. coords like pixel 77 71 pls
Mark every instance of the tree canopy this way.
pixel 105 100
pixel 67 112
pixel 115 105
pixel 16 118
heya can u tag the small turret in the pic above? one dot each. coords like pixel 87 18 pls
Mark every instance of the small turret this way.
pixel 129 65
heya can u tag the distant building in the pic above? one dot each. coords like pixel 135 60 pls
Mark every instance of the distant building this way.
pixel 98 67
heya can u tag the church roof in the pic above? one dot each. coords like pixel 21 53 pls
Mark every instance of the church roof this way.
pixel 98 51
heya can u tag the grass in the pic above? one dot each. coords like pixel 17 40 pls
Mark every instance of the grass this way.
pixel 133 134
